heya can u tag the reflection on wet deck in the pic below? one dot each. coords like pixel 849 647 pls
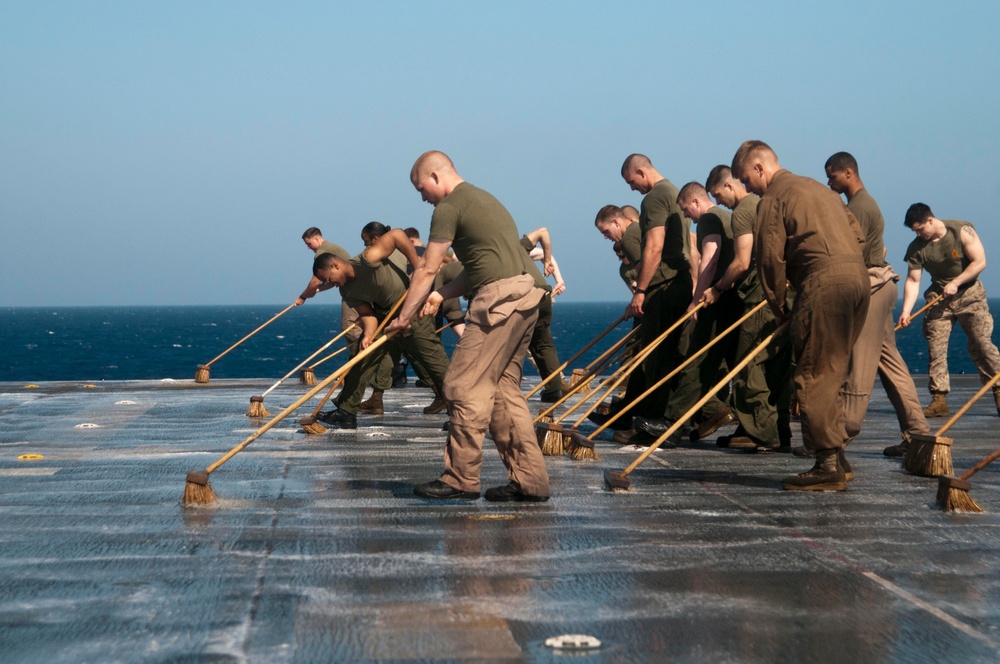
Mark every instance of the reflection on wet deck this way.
pixel 318 550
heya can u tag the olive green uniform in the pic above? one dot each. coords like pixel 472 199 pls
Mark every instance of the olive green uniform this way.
pixel 667 298
pixel 945 260
pixel 381 285
pixel 697 378
pixel 762 390
pixel 541 346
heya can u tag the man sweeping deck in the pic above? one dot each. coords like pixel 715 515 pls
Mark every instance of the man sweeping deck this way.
pixel 482 386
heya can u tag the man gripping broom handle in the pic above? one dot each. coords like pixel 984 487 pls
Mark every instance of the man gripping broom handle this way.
pixel 930 303
pixel 619 480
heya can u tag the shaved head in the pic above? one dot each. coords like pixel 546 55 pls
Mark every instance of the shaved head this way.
pixel 630 212
pixel 431 161
pixel 693 191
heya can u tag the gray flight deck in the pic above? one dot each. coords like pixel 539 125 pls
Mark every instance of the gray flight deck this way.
pixel 318 551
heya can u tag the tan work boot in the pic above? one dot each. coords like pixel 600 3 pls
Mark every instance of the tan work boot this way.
pixel 373 405
pixel 826 475
pixel 938 406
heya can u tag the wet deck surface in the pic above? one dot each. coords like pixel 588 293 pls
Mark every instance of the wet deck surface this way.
pixel 318 550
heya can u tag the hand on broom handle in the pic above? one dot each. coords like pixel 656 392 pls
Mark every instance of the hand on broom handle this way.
pixel 670 375
pixel 969 404
pixel 576 356
pixel 298 402
pixel 274 318
pixel 303 363
pixel 701 402
pixel 930 303
pixel 607 357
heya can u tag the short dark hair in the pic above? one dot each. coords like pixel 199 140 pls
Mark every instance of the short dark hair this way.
pixel 841 161
pixel 691 191
pixel 412 233
pixel 917 213
pixel 607 213
pixel 718 176
pixel 312 231
pixel 325 262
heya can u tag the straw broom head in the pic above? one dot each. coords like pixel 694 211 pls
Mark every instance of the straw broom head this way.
pixel 257 408
pixel 197 490
pixel 202 374
pixel 953 495
pixel 311 426
pixel 307 376
pixel 928 456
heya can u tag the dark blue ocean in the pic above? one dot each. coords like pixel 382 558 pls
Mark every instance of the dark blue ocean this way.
pixel 154 343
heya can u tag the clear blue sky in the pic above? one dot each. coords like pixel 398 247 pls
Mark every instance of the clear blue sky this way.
pixel 173 152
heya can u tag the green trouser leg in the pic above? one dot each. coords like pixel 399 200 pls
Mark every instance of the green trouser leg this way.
pixel 426 353
pixel 541 346
pixel 708 370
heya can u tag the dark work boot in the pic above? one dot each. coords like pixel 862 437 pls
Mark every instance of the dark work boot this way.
pixel 826 475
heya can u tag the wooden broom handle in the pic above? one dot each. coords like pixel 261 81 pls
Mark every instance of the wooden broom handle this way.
pixel 329 357
pixel 375 334
pixel 607 357
pixel 701 402
pixel 930 303
pixel 303 362
pixel 274 318
pixel 631 364
pixel 670 375
pixel 969 404
pixel 577 355
pixel 298 402
pixel 979 466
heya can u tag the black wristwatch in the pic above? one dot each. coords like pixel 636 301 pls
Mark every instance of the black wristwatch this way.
pixel 640 291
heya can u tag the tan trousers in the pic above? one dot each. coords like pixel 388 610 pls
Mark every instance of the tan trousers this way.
pixel 875 352
pixel 970 309
pixel 483 389
pixel 827 318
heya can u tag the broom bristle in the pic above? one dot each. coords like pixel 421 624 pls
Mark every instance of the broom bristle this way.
pixel 257 408
pixel 197 490
pixel 307 377
pixel 202 374
pixel 552 445
pixel 579 452
pixel 953 496
pixel 311 426
pixel 929 456
pixel 576 377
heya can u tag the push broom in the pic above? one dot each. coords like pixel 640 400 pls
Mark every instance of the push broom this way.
pixel 930 303
pixel 257 408
pixel 930 456
pixel 202 374
pixel 309 423
pixel 576 356
pixel 619 479
pixel 577 443
pixel 953 492
pixel 197 490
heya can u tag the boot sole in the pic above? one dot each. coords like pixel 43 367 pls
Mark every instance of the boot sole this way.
pixel 826 486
